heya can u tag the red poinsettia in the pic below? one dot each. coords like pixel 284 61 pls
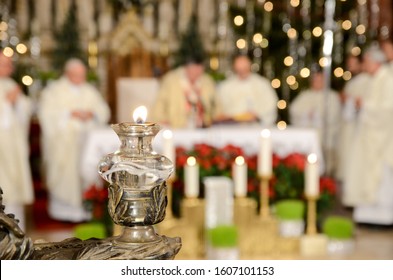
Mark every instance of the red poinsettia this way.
pixel 328 185
pixel 95 199
pixel 295 160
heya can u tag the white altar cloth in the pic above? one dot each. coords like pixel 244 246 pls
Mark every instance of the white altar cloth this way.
pixel 102 141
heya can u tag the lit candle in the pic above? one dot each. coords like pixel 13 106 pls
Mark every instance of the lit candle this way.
pixel 265 154
pixel 239 172
pixel 312 176
pixel 191 178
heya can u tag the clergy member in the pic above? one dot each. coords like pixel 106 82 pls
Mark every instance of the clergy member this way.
pixel 387 47
pixel 370 165
pixel 69 108
pixel 246 96
pixel 15 113
pixel 308 110
pixel 352 94
pixel 185 97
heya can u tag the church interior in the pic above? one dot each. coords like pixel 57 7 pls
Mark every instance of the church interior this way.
pixel 266 122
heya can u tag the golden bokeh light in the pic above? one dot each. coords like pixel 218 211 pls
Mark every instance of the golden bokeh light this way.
pixel 346 25
pixel 338 72
pixel 241 44
pixel 268 6
pixel 305 72
pixel 281 104
pixel 276 83
pixel 317 31
pixel 238 20
pixel 281 125
pixel 288 61
pixel 27 80
pixel 21 48
pixel 257 38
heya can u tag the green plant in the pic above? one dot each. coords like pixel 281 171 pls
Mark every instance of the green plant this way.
pixel 337 227
pixel 290 209
pixel 224 236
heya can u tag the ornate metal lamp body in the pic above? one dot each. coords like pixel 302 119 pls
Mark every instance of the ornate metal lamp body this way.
pixel 137 191
pixel 137 200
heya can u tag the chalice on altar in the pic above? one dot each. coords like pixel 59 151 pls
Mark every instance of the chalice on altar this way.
pixel 137 192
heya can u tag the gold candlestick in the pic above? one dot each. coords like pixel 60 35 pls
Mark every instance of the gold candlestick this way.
pixel 311 215
pixel 244 211
pixel 264 196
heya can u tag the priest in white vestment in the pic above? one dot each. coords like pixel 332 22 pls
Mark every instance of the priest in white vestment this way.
pixel 368 183
pixel 387 48
pixel 353 92
pixel 308 110
pixel 69 107
pixel 15 173
pixel 185 97
pixel 246 96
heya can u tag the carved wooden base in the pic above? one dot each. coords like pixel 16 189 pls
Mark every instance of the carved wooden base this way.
pixel 165 248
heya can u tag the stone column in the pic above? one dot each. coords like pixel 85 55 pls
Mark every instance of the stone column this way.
pixel 44 23
pixel 166 20
pixel 185 12
pixel 62 8
pixel 206 24
pixel 22 16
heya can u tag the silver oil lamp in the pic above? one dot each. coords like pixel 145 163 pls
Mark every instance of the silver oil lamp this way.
pixel 137 192
pixel 137 201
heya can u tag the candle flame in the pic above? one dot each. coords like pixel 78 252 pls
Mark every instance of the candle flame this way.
pixel 312 158
pixel 239 160
pixel 191 161
pixel 140 114
pixel 265 133
pixel 167 134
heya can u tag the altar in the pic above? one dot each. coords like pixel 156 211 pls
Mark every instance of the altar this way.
pixel 102 141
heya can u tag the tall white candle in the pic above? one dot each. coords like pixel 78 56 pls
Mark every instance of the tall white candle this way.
pixel 168 145
pixel 191 178
pixel 265 154
pixel 239 171
pixel 169 149
pixel 312 176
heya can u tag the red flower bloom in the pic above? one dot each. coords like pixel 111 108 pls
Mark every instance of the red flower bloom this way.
pixel 203 150
pixel 181 160
pixel 205 163
pixel 221 162
pixel 251 186
pixel 275 161
pixel 327 184
pixel 252 163
pixel 295 160
pixel 232 150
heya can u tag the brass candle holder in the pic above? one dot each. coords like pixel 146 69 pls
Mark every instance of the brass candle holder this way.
pixel 313 244
pixel 244 211
pixel 264 196
pixel 311 215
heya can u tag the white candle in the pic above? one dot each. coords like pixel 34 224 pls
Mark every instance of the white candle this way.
pixel 239 172
pixel 312 176
pixel 265 154
pixel 191 178
pixel 168 146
